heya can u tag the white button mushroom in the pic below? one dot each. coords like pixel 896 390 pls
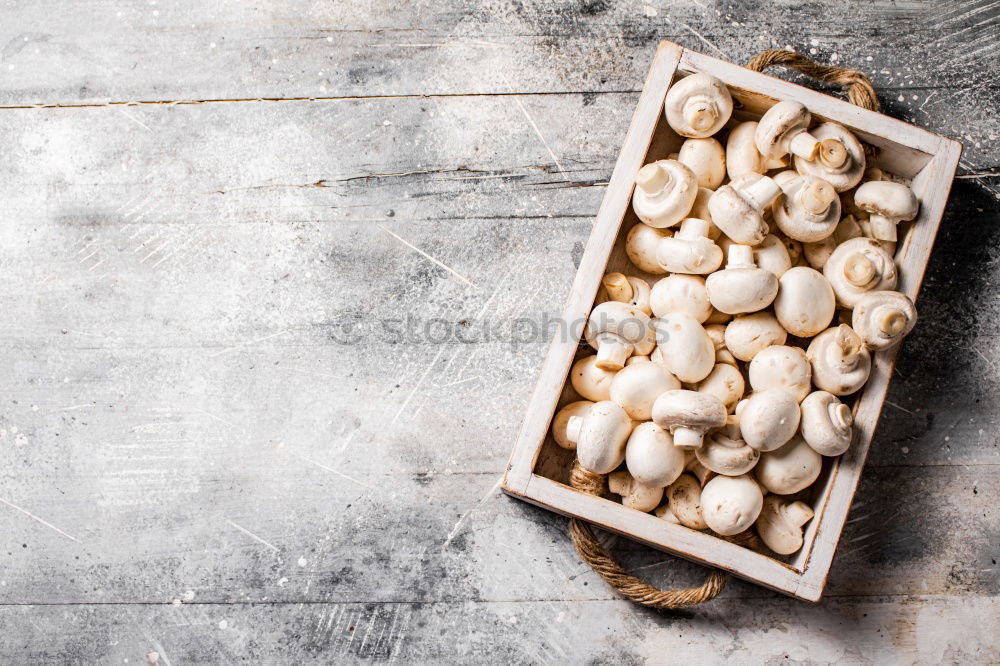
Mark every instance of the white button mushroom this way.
pixel 681 293
pixel 747 335
pixel 717 333
pixel 616 330
pixel 772 255
pixel 666 514
pixel 590 380
pixel 884 318
pixel 625 289
pixel 780 524
pixel 701 211
pixel 826 423
pixel 684 501
pixel 783 129
pixel 741 287
pixel 726 383
pixel 651 457
pixel 698 105
pixel 706 158
pixel 694 467
pixel 688 416
pixel 635 495
pixel 805 303
pixel 600 436
pixel 690 250
pixel 742 156
pixel 635 388
pixel 857 267
pixel 640 246
pixel 840 362
pixel 731 504
pixel 808 210
pixel 768 419
pixel 739 212
pixel 725 452
pixel 840 159
pixel 561 420
pixel 684 347
pixel 664 193
pixel 888 203
pixel 819 252
pixel 789 469
pixel 781 367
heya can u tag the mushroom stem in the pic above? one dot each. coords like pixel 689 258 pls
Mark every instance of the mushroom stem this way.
pixel 832 153
pixel 652 178
pixel 840 415
pixel 688 438
pixel 740 256
pixel 798 513
pixel 805 145
pixel 618 287
pixel 845 353
pixel 573 428
pixel 891 321
pixel 883 228
pixel 612 351
pixel 693 227
pixel 700 113
pixel 816 197
pixel 859 270
pixel 762 192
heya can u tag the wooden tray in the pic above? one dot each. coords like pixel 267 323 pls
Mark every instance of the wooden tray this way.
pixel 538 468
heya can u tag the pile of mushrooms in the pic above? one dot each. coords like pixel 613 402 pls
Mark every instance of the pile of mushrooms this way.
pixel 723 369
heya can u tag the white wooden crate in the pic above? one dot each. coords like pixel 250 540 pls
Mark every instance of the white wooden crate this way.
pixel 538 468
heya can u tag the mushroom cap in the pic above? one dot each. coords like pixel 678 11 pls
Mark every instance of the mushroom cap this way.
pixel 651 457
pixel 808 209
pixel 789 469
pixel 690 409
pixel 780 523
pixel 737 216
pixel 747 335
pixel 624 289
pixel 858 266
pixel 893 201
pixel 666 514
pixel 726 383
pixel 781 367
pixel 731 504
pixel 706 158
pixel 604 431
pixel 827 424
pixel 742 156
pixel 690 250
pixel 697 105
pixel 725 455
pixel 845 175
pixel 700 210
pixel 884 318
pixel 685 347
pixel 664 193
pixel 681 293
pixel 684 501
pixel 634 494
pixel 741 287
pixel 819 252
pixel 778 125
pixel 640 246
pixel 840 363
pixel 768 419
pixel 590 380
pixel 619 323
pixel 562 417
pixel 805 303
pixel 772 255
pixel 635 388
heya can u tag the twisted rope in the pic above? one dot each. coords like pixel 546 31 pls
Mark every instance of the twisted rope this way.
pixel 855 84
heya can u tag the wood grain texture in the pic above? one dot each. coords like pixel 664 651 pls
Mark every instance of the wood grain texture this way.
pixel 157 410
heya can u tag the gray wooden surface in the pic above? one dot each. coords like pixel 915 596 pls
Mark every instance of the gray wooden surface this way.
pixel 226 435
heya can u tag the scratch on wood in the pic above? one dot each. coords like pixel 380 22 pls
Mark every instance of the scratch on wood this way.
pixel 37 519
pixel 254 536
pixel 430 258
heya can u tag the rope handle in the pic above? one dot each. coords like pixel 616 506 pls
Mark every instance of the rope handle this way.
pixel 860 92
